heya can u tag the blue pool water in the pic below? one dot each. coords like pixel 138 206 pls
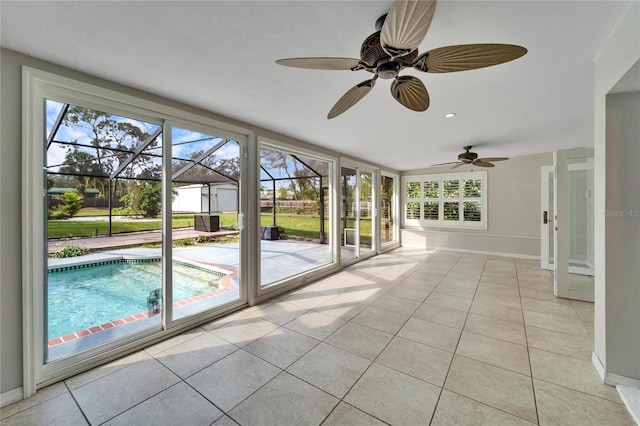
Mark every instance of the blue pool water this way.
pixel 85 297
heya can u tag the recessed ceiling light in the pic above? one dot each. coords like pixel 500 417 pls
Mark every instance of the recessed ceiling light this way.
pixel 451 114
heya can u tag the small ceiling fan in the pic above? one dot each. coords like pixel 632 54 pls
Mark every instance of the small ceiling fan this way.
pixel 394 47
pixel 468 157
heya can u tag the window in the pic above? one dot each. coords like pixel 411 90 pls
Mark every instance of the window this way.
pixel 446 200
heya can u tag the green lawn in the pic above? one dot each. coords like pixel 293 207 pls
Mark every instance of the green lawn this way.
pixel 305 226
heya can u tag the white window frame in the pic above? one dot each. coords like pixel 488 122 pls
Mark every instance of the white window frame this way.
pixel 441 199
pixel 39 85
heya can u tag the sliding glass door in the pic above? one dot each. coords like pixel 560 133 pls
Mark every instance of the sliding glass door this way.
pixel 205 185
pixel 295 213
pixel 357 213
pixel 140 228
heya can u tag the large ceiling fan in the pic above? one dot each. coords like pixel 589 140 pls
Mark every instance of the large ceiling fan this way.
pixel 468 157
pixel 394 46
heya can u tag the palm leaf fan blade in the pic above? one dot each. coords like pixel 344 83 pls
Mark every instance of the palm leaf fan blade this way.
pixel 352 97
pixel 406 25
pixel 411 93
pixel 467 57
pixel 320 63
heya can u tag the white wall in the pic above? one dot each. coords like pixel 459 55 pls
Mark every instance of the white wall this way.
pixel 617 334
pixel 513 208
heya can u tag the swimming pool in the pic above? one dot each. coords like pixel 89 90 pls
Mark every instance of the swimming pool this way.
pixel 91 295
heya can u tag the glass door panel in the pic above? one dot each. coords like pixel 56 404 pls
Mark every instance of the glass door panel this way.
pixel 365 212
pixel 387 209
pixel 581 219
pixel 103 180
pixel 348 224
pixel 205 181
pixel 295 214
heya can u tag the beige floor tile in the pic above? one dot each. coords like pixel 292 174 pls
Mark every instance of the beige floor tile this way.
pixel 583 309
pixel 394 397
pixel 224 421
pixel 441 315
pixel 558 405
pixel 492 289
pixel 430 333
pixel 344 311
pixel 347 415
pixel 105 370
pixel 360 340
pixel 282 347
pixel 331 369
pixel 396 305
pixel 418 360
pixel 494 386
pixel 560 309
pixel 175 340
pixel 555 323
pixel 115 393
pixel 245 330
pixel 560 343
pixel 310 299
pixel 279 312
pixel 499 300
pixel 496 328
pixel 193 355
pixel 226 320
pixel 455 410
pixel 41 396
pixel 458 280
pixel 315 324
pixel 388 322
pixel 59 410
pixel 499 279
pixel 504 313
pixel 541 294
pixel 414 294
pixel 496 352
pixel 361 295
pixel 232 379
pixel 455 290
pixel 467 273
pixel 577 374
pixel 423 278
pixel 171 407
pixel 285 400
pixel 451 302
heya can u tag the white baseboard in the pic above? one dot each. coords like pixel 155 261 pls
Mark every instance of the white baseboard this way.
pixel 9 397
pixel 488 253
pixel 598 365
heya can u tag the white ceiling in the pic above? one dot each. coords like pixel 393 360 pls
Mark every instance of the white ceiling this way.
pixel 219 55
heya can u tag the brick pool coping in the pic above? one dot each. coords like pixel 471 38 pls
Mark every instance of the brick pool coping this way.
pixel 224 285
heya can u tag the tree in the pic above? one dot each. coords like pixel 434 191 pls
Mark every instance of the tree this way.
pixel 112 138
pixel 145 198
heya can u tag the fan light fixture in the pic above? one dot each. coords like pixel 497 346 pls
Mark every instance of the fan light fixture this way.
pixel 394 47
pixel 450 115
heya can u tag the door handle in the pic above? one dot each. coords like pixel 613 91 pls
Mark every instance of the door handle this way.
pixel 545 217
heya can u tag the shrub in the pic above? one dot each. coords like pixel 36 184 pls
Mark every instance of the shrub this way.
pixel 69 251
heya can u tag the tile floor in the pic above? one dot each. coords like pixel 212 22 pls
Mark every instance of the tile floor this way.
pixel 408 337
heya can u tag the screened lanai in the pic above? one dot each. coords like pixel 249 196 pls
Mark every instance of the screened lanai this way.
pixel 118 160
